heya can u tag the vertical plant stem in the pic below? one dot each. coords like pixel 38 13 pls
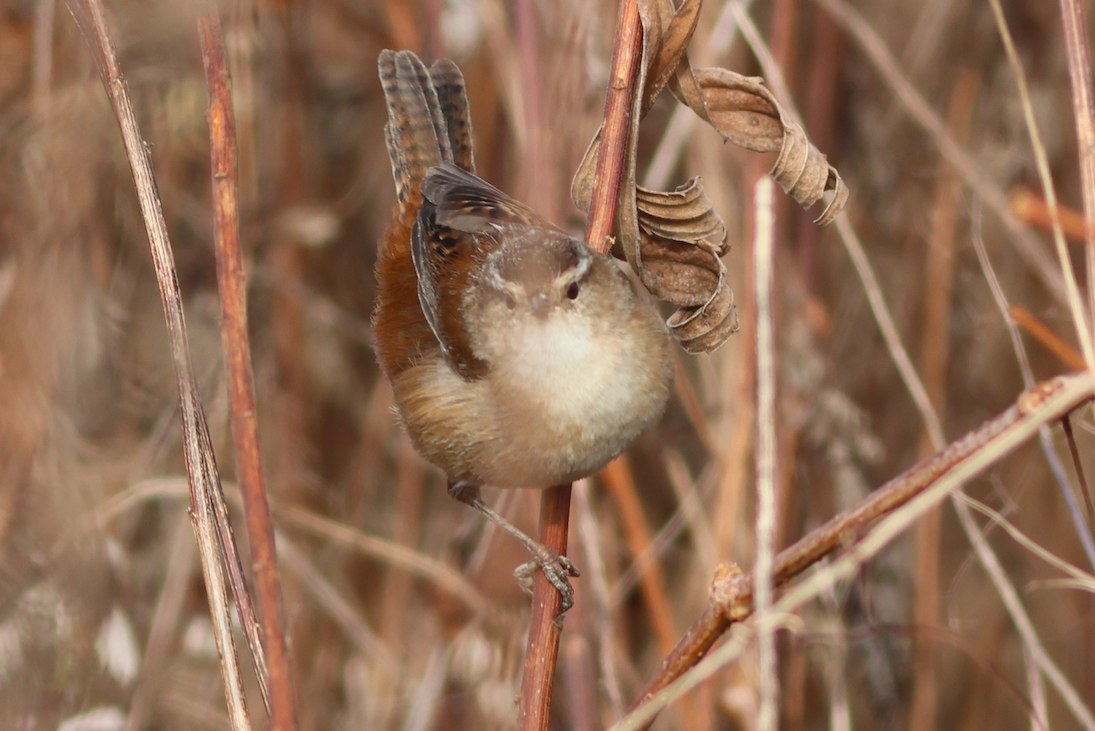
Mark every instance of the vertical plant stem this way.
pixel 767 716
pixel 545 629
pixel 232 285
pixel 626 54
pixel 1079 71
pixel 934 348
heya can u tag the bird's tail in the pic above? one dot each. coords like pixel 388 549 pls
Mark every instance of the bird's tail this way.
pixel 428 120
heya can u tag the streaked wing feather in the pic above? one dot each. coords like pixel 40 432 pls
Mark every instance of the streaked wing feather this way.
pixel 444 259
pixel 469 203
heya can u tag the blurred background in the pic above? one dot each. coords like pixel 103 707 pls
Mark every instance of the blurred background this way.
pixel 103 618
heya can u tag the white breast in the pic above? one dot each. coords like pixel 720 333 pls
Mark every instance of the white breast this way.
pixel 565 370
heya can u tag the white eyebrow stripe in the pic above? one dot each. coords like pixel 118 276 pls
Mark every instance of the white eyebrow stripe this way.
pixel 580 269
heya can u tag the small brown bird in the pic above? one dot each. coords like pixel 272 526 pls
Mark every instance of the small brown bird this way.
pixel 518 356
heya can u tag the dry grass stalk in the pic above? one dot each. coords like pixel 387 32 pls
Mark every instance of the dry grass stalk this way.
pixel 1083 111
pixel 200 462
pixel 935 350
pixel 765 532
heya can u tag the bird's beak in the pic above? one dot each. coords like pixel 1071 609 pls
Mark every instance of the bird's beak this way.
pixel 539 302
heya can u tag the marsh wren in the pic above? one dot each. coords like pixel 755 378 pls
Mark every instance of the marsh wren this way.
pixel 518 356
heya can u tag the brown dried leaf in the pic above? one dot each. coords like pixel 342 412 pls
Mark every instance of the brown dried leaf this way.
pixel 805 174
pixel 670 63
pixel 704 328
pixel 682 239
pixel 741 109
pixel 674 240
pixel 686 214
pixel 677 273
pixel 745 112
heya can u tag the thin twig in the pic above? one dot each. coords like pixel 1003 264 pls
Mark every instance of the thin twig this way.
pixel 1031 209
pixel 764 217
pixel 1078 465
pixel 1078 576
pixel 917 490
pixel 232 284
pixel 1029 635
pixel 1050 340
pixel 889 330
pixel 1044 439
pixel 201 468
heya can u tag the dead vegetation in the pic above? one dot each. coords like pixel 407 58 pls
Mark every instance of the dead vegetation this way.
pixel 399 605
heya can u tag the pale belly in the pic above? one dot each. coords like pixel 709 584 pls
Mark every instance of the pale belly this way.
pixel 558 410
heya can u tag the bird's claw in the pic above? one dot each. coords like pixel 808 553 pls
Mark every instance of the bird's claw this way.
pixel 556 568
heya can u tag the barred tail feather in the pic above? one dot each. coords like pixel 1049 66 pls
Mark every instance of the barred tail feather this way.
pixel 452 98
pixel 416 133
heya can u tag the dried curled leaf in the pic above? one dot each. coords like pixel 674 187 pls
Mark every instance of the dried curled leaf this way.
pixel 740 109
pixel 686 214
pixel 681 240
pixel 704 328
pixel 674 241
pixel 744 112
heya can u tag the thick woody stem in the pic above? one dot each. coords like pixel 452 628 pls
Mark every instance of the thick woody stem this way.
pixel 545 627
pixel 545 631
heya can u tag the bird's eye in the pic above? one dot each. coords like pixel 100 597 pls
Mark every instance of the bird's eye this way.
pixel 511 302
pixel 572 291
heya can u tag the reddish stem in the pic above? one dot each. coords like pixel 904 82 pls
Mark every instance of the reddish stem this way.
pixel 233 294
pixel 614 136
